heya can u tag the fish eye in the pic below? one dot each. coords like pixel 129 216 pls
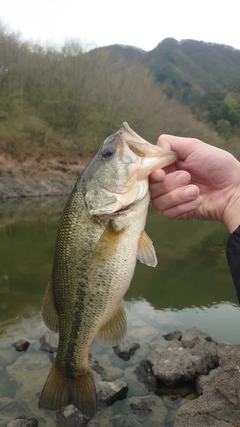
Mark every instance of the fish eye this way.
pixel 108 152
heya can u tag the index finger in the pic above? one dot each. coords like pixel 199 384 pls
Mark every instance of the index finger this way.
pixel 183 146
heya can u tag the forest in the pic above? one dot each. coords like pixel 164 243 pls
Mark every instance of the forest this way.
pixel 63 102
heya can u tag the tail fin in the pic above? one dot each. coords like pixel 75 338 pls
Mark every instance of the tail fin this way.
pixel 60 391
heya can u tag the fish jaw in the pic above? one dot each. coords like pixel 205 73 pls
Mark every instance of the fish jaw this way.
pixel 118 175
pixel 150 156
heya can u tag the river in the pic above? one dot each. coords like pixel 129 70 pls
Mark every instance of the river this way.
pixel 191 286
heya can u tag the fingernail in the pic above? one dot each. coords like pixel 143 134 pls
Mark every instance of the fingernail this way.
pixel 191 192
pixel 182 178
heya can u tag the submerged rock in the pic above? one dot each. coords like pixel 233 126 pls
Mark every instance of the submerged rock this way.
pixel 21 345
pixel 22 421
pixel 126 349
pixel 142 405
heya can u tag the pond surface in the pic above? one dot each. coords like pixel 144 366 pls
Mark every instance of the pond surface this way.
pixel 191 286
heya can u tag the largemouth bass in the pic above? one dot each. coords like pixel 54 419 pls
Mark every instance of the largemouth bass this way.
pixel 100 237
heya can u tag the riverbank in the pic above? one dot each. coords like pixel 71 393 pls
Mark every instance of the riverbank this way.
pixel 32 178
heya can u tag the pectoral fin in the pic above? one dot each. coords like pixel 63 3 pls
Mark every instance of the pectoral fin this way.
pixel 49 312
pixel 115 330
pixel 146 252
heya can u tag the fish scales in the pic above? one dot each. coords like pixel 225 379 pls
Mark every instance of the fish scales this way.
pixel 100 236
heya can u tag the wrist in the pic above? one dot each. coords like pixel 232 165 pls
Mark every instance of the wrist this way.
pixel 231 216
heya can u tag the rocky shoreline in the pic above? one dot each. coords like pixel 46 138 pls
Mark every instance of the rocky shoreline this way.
pixel 189 364
pixel 31 178
pixel 36 185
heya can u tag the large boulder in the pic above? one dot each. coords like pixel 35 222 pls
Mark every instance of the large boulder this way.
pixel 184 360
pixel 219 404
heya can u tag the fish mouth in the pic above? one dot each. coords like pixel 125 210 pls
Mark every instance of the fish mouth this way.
pixel 150 156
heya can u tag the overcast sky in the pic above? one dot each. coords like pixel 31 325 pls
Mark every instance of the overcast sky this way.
pixel 131 22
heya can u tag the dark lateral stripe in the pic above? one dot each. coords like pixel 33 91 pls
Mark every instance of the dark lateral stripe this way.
pixel 78 313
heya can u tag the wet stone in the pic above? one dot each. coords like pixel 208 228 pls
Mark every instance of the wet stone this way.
pixel 98 369
pixel 175 361
pixel 141 405
pixel 145 375
pixel 128 420
pixel 219 402
pixel 22 421
pixel 21 345
pixel 110 391
pixel 49 342
pixel 175 335
pixel 71 417
pixel 126 349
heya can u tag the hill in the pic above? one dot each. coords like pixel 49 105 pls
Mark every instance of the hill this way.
pixel 58 105
pixel 193 68
pixel 204 76
pixel 186 69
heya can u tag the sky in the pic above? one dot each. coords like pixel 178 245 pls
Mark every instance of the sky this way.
pixel 142 24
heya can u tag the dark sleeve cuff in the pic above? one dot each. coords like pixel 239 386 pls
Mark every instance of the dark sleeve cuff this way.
pixel 233 258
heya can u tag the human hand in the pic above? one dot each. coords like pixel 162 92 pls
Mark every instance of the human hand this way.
pixel 204 183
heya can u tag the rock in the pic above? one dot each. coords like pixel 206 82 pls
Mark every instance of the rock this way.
pixel 97 369
pixel 173 335
pixel 145 411
pixel 148 409
pixel 219 405
pixel 153 384
pixel 129 420
pixel 141 405
pixel 19 422
pixel 49 342
pixel 21 345
pixel 126 349
pixel 110 391
pixel 36 186
pixel 203 381
pixel 22 421
pixel 32 422
pixel 196 354
pixel 145 375
pixel 70 417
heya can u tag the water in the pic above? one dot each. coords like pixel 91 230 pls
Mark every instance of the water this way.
pixel 191 286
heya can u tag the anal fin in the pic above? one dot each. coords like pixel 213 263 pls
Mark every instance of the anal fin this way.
pixel 115 329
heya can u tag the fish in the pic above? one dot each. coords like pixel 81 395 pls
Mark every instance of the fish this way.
pixel 100 237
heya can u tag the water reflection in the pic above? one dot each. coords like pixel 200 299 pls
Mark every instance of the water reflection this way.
pixel 192 268
pixel 191 286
